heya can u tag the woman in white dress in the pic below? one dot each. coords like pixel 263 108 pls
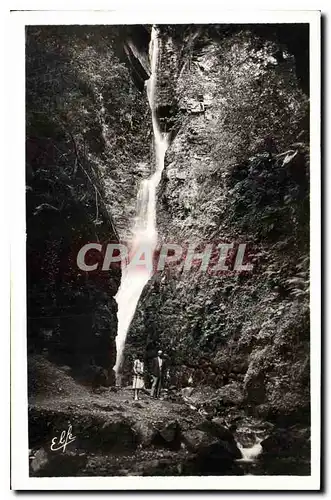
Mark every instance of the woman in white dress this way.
pixel 138 377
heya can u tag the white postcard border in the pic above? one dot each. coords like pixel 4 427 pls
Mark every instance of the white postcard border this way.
pixel 19 416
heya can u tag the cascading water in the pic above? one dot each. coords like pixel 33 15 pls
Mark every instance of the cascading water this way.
pixel 251 453
pixel 134 277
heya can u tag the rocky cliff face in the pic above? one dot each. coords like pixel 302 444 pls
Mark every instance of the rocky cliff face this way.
pixel 236 171
pixel 235 101
pixel 88 145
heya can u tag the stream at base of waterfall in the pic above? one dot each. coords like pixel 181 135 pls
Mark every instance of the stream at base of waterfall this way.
pixel 144 230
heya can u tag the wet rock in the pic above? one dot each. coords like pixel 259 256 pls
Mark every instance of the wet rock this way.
pixel 216 428
pixel 212 459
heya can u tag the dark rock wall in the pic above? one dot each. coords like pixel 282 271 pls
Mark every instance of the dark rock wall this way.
pixel 235 101
pixel 88 145
pixel 229 178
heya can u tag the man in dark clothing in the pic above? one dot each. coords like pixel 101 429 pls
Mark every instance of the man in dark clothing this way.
pixel 158 369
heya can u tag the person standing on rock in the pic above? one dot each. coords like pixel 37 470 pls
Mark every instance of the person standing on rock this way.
pixel 158 369
pixel 138 377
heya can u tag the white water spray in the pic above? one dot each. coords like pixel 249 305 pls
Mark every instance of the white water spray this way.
pixel 252 453
pixel 144 232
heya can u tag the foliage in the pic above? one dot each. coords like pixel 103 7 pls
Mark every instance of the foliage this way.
pixel 83 115
pixel 237 173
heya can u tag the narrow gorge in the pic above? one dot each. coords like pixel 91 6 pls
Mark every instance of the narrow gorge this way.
pixel 171 134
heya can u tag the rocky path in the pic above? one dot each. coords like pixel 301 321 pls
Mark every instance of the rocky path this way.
pixel 115 435
pixel 189 432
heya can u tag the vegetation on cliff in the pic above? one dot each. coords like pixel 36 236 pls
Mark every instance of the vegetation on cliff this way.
pixel 87 143
pixel 236 171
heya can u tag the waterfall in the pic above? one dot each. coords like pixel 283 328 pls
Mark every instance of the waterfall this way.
pixel 144 231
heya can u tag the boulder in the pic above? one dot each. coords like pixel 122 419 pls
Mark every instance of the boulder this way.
pixel 169 435
pixel 216 429
pixel 287 442
pixel 212 458
pixel 116 435
pixel 49 464
pixel 169 431
pixel 145 432
pixel 39 460
pixel 231 395
pixel 196 440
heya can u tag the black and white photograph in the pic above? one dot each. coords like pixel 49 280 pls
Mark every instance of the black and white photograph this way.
pixel 171 174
